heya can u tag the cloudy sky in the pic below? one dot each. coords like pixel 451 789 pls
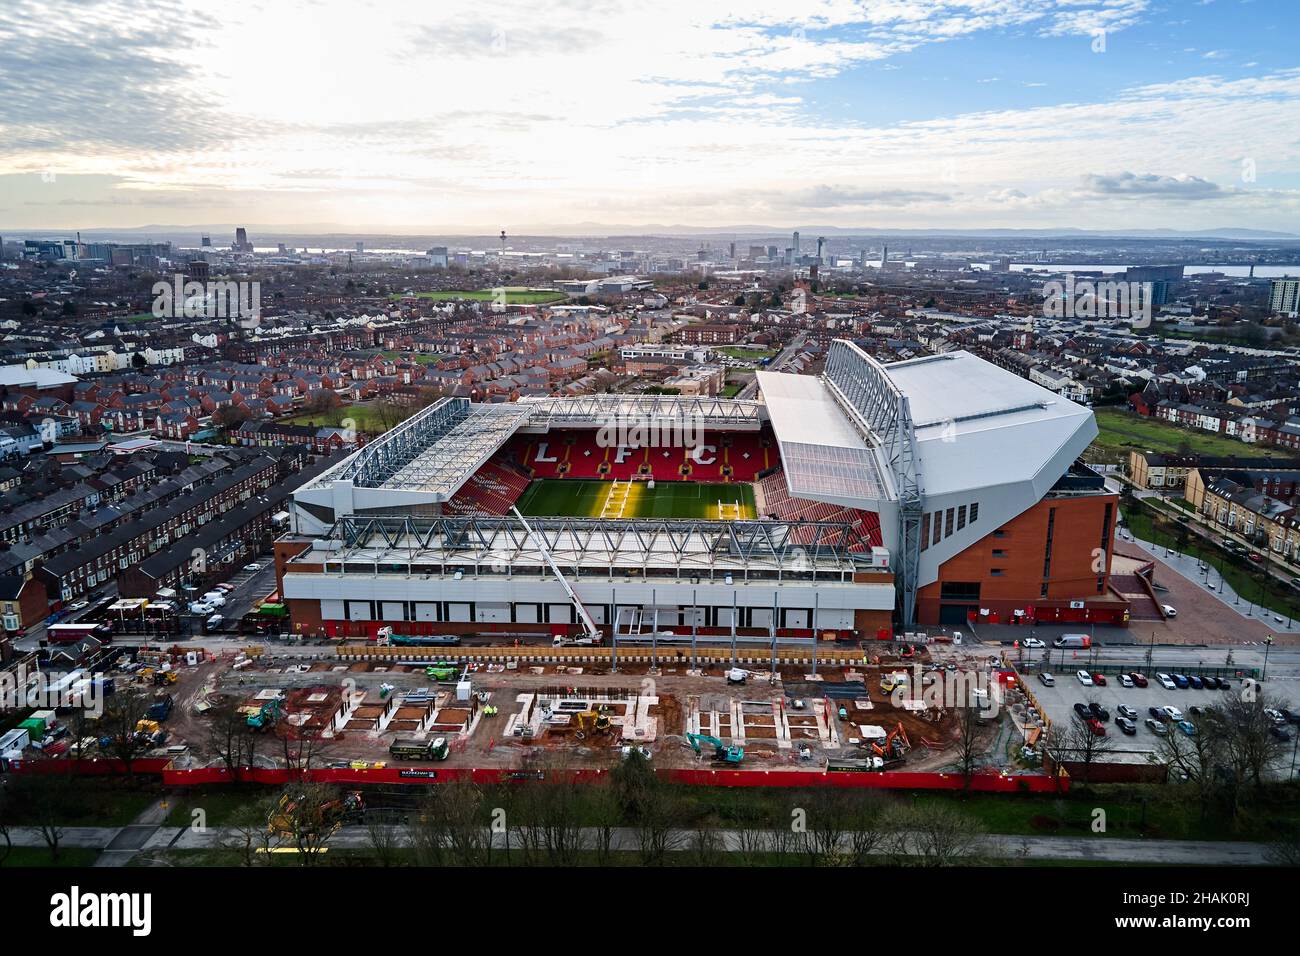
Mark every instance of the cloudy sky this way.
pixel 429 116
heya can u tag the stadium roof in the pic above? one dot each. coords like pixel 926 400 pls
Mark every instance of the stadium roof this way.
pixel 979 425
pixel 975 425
pixel 605 409
pixel 825 456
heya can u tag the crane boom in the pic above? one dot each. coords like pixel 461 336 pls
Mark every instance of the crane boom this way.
pixel 588 624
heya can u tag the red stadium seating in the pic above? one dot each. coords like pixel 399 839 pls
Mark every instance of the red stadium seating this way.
pixel 778 502
pixel 722 457
pixel 491 490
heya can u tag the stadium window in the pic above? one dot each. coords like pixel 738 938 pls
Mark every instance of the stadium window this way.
pixel 938 529
pixel 925 531
pixel 947 522
pixel 961 517
pixel 997 572
pixel 959 591
pixel 974 511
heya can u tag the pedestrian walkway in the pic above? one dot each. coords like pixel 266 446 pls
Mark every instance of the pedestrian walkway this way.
pixel 131 839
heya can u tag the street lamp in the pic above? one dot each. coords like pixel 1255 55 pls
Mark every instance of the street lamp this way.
pixel 1268 643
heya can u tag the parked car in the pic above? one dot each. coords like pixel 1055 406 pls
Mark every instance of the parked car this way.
pixel 1083 710
pixel 1047 680
pixel 1099 680
pixel 1084 678
pixel 1125 680
pixel 1255 556
pixel 1124 710
pixel 1096 727
pixel 1156 727
pixel 1169 609
pixel 1126 726
pixel 1139 680
pixel 1098 711
pixel 1196 682
pixel 1187 727
pixel 1166 681
pixel 1180 681
pixel 1290 716
pixel 253 567
pixel 1281 733
pixel 1157 714
pixel 1032 642
pixel 1274 715
pixel 1173 713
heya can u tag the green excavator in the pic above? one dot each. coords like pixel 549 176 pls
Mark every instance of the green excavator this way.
pixel 720 750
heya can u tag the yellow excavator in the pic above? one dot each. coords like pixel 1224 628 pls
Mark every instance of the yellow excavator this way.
pixel 591 722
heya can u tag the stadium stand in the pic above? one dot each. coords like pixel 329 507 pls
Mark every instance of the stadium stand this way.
pixel 737 456
pixel 779 503
pixel 491 490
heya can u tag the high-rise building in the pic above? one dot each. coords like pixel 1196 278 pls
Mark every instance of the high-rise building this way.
pixel 794 259
pixel 821 249
pixel 241 240
pixel 1284 296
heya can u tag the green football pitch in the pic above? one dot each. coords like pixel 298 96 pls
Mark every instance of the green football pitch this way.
pixel 587 498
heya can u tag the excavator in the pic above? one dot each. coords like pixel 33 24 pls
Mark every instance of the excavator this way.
pixel 720 750
pixel 591 722
pixel 267 715
pixel 896 744
pixel 440 672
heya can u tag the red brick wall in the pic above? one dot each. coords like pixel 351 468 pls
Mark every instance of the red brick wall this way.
pixel 1076 534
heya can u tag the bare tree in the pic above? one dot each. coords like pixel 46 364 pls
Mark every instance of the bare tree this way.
pixel 120 723
pixel 967 743
pixel 657 828
pixel 305 816
pixel 50 798
pixel 604 815
pixel 931 834
pixel 248 834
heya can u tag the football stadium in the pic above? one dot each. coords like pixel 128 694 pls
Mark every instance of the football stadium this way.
pixel 870 498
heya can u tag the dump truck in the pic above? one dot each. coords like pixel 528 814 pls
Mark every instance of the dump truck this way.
pixel 161 708
pixel 406 749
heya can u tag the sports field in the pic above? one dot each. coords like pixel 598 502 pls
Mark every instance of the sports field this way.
pixel 584 498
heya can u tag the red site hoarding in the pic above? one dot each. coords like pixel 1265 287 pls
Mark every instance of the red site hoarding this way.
pixel 173 777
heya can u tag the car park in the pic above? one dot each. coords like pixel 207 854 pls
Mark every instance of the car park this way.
pixel 1156 727
pixel 1084 678
pixel 1126 726
pixel 1166 681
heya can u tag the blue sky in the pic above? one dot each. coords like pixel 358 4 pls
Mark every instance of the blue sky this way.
pixel 409 116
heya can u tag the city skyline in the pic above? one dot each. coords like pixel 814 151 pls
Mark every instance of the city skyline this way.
pixel 1116 115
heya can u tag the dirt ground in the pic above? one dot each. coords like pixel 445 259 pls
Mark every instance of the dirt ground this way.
pixel 488 746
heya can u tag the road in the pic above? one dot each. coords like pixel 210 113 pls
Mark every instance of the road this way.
pixel 751 390
pixel 1076 849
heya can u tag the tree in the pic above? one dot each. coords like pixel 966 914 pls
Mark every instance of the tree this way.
pixel 931 834
pixel 968 745
pixel 5 802
pixel 306 814
pixel 123 712
pixel 247 834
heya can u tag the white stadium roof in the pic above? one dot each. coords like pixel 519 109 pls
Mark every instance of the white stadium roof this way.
pixel 978 425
